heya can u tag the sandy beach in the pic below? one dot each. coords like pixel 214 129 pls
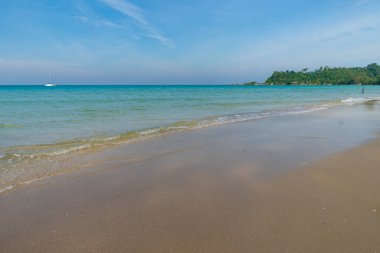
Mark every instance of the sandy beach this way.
pixel 236 188
pixel 189 126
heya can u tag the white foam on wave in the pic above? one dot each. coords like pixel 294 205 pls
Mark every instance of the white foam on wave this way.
pixel 352 100
pixel 256 116
pixel 69 150
pixel 6 188
pixel 149 131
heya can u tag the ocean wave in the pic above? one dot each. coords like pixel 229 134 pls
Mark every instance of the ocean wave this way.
pixel 20 153
pixel 18 156
pixel 352 100
pixel 7 188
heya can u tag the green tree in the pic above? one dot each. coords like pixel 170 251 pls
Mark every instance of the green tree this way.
pixel 328 75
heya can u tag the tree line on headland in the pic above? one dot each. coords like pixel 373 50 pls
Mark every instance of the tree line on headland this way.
pixel 369 75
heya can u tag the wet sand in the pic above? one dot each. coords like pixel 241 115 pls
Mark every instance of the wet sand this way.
pixel 206 197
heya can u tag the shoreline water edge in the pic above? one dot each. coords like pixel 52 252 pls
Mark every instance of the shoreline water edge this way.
pixel 292 183
pixel 26 163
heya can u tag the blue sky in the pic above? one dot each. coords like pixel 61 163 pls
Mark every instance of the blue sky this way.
pixel 182 41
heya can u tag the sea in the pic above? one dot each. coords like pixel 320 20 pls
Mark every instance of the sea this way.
pixel 38 122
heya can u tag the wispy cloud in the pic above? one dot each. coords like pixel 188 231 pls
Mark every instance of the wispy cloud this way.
pixel 361 2
pixel 163 40
pixel 98 22
pixel 345 42
pixel 310 35
pixel 128 9
pixel 136 14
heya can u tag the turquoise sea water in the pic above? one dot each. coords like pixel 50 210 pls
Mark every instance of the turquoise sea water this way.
pixel 33 115
pixel 43 128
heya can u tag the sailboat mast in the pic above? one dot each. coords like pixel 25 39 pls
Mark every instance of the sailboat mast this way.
pixel 50 84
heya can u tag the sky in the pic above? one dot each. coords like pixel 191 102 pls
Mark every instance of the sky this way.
pixel 181 41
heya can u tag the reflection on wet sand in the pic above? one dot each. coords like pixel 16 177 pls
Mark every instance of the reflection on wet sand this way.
pixel 281 185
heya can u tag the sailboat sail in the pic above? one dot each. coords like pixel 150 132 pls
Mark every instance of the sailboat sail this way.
pixel 50 84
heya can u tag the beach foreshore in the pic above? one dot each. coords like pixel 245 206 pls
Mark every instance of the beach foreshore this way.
pixel 248 187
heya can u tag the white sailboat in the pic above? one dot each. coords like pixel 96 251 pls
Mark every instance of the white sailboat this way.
pixel 50 84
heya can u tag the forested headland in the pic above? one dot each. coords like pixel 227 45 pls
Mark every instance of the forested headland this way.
pixel 369 75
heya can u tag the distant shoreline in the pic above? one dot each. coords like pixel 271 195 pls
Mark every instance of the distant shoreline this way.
pixel 304 84
pixel 369 75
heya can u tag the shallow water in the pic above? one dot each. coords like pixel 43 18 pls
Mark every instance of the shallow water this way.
pixel 38 125
pixel 32 115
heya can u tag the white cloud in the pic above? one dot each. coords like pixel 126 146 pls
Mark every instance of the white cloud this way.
pixel 102 22
pixel 347 42
pixel 310 35
pixel 83 19
pixel 165 41
pixel 361 2
pixel 136 13
pixel 99 22
pixel 128 9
